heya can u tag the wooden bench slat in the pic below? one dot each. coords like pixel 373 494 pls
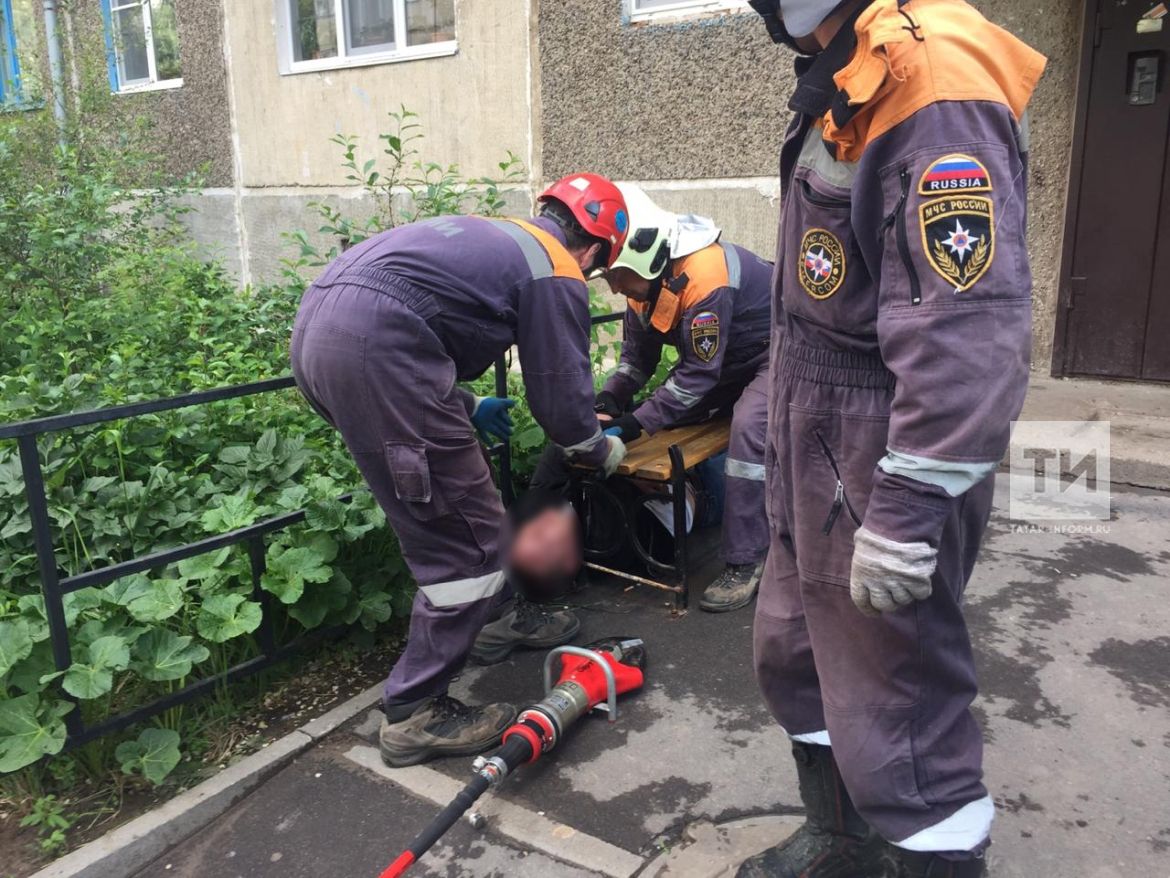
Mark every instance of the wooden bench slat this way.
pixel 649 457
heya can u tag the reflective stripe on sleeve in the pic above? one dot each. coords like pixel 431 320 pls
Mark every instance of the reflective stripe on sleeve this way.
pixel 741 469
pixel 464 591
pixel 954 478
pixel 586 446
pixel 684 396
pixel 632 372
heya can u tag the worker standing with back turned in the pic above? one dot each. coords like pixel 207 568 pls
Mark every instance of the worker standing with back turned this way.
pixel 379 343
pixel 900 355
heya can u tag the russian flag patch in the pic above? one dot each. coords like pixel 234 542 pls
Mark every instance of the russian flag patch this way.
pixel 955 173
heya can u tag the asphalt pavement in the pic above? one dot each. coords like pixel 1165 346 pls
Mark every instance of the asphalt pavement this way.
pixel 1073 641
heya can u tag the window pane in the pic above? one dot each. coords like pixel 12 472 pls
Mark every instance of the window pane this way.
pixel 164 29
pixel 429 21
pixel 370 24
pixel 28 46
pixel 131 45
pixel 314 29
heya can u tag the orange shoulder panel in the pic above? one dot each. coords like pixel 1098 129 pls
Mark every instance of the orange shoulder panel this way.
pixel 955 54
pixel 564 265
pixel 706 272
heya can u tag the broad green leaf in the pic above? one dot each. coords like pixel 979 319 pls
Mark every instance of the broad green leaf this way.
pixel 164 655
pixel 375 609
pixel 77 602
pixel 155 754
pixel 223 617
pixel 128 588
pixel 32 610
pixel 30 729
pixel 289 571
pixel 95 676
pixel 15 643
pixel 320 599
pixel 206 565
pixel 26 675
pixel 164 599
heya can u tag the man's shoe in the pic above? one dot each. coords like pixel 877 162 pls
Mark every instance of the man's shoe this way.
pixel 901 863
pixel 734 589
pixel 834 841
pixel 526 625
pixel 443 726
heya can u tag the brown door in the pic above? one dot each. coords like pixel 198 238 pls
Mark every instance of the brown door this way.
pixel 1118 324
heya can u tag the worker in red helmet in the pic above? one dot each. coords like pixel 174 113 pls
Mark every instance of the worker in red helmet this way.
pixel 380 344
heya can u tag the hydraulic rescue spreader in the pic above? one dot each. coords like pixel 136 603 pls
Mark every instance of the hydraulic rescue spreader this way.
pixel 591 678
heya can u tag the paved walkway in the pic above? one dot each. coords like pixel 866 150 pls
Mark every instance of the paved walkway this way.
pixel 1073 639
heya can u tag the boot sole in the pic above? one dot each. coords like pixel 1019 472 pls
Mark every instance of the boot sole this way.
pixel 497 655
pixel 728 608
pixel 405 758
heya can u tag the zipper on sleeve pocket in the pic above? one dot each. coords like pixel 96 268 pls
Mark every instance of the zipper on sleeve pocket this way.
pixel 840 498
pixel 897 219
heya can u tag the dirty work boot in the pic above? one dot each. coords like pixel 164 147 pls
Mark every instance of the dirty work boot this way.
pixel 733 589
pixel 834 842
pixel 912 864
pixel 526 625
pixel 442 726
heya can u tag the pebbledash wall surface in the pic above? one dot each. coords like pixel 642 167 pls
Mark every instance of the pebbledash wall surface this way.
pixel 695 109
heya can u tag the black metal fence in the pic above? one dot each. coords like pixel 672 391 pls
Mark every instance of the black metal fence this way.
pixel 55 587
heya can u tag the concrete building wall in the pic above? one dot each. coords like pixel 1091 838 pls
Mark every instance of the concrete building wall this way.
pixel 696 109
pixel 474 106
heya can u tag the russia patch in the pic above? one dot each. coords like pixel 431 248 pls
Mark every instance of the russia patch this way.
pixel 705 335
pixel 955 173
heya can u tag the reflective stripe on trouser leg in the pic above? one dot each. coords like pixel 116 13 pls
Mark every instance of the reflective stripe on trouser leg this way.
pixel 821 738
pixel 965 830
pixel 464 591
pixel 745 524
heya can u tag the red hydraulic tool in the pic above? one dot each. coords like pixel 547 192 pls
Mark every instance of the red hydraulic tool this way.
pixel 591 678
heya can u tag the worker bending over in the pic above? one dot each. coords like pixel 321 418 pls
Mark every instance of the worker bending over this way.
pixel 903 321
pixel 379 343
pixel 711 301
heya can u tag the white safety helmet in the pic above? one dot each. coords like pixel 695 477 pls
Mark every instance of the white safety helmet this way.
pixel 656 235
pixel 802 17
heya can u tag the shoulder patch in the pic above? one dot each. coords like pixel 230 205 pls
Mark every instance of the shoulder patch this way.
pixel 958 238
pixel 822 263
pixel 705 335
pixel 955 173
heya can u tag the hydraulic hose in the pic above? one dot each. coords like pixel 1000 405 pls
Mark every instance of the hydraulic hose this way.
pixel 516 751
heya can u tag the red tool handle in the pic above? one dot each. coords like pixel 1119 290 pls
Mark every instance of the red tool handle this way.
pixel 399 866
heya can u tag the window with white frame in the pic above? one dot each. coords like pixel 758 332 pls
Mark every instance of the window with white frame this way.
pixel 326 34
pixel 645 10
pixel 143 41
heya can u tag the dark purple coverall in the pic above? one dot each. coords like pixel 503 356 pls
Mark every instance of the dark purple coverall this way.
pixel 900 355
pixel 378 345
pixel 723 362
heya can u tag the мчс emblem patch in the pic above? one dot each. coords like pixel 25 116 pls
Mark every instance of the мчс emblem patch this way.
pixel 705 335
pixel 954 173
pixel 958 237
pixel 822 263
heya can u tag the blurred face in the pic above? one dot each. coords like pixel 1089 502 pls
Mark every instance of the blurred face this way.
pixel 548 547
pixel 629 284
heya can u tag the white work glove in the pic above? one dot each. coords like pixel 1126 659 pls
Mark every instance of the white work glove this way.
pixel 889 575
pixel 617 453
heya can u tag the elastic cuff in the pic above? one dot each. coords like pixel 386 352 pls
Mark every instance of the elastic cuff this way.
pixel 907 511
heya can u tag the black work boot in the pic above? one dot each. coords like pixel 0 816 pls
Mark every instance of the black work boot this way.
pixel 442 726
pixel 526 625
pixel 733 589
pixel 834 842
pixel 912 864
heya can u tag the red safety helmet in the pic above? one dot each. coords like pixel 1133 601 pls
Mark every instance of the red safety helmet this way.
pixel 597 205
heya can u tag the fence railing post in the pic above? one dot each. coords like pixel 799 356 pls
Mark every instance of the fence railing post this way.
pixel 38 511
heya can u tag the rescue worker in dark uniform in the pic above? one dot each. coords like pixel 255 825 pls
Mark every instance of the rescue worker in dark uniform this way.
pixel 712 302
pixel 900 355
pixel 378 345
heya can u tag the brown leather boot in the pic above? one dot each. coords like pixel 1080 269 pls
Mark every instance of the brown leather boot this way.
pixel 834 842
pixel 525 625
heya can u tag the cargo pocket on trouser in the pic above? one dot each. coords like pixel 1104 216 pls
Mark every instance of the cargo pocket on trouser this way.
pixel 454 514
pixel 834 460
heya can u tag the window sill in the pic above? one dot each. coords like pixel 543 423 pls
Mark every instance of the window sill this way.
pixel 684 11
pixel 430 50
pixel 165 85
pixel 21 106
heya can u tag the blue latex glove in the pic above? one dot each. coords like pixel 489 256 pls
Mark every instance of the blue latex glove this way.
pixel 491 417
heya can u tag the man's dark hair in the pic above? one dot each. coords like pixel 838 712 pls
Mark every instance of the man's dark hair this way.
pixel 576 238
